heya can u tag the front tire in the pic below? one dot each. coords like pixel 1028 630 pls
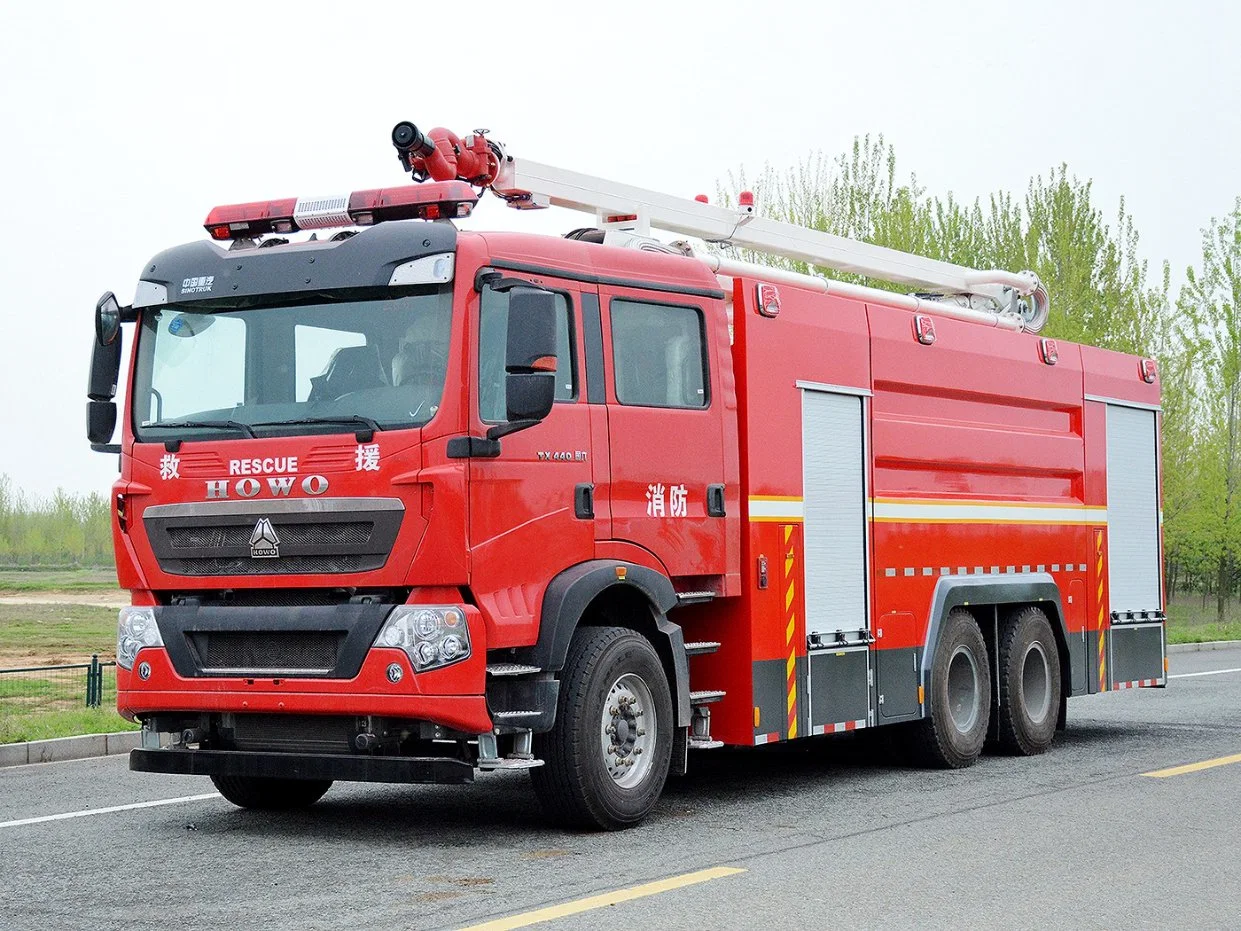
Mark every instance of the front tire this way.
pixel 952 735
pixel 271 794
pixel 1029 683
pixel 606 758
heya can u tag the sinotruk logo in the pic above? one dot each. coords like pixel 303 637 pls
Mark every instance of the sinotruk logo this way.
pixel 264 544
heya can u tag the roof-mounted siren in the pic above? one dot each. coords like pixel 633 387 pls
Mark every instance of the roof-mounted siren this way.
pixel 442 201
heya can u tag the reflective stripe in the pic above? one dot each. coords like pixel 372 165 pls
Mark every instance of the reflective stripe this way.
pixel 978 512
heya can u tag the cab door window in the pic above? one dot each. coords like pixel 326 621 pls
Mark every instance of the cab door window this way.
pixel 659 355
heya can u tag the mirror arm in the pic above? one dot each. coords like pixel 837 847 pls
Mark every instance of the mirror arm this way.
pixel 498 282
pixel 513 426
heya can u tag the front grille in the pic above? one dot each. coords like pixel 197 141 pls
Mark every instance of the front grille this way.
pixel 285 565
pixel 351 533
pixel 288 652
pixel 294 536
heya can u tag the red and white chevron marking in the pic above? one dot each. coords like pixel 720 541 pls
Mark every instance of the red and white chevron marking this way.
pixel 838 727
pixel 1139 684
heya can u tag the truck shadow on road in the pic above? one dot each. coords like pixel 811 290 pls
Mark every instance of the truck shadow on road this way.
pixel 720 783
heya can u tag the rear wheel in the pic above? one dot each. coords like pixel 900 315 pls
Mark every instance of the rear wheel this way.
pixel 953 732
pixel 270 793
pixel 1029 683
pixel 607 756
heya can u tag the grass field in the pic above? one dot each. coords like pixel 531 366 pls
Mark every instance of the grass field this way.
pixel 54 634
pixel 57 580
pixel 1192 621
pixel 36 706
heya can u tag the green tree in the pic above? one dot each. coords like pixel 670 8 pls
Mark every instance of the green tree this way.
pixel 1210 304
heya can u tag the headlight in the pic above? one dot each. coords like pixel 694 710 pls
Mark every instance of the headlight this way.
pixel 135 628
pixel 430 635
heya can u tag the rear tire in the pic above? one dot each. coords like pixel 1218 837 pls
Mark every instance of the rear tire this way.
pixel 1029 683
pixel 953 732
pixel 606 759
pixel 271 794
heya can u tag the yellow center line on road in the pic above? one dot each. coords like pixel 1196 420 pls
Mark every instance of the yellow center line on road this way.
pixel 1194 767
pixel 553 912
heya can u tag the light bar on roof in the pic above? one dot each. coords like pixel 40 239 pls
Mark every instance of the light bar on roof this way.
pixel 440 200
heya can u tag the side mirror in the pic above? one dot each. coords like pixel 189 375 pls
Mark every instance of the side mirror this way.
pixel 107 319
pixel 100 421
pixel 529 359
pixel 105 370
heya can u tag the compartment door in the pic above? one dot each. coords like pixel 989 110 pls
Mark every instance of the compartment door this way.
pixel 834 540
pixel 1134 574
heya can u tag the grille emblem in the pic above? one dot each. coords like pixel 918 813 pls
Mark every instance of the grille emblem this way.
pixel 264 544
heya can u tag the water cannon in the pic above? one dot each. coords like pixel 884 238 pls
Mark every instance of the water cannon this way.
pixel 442 155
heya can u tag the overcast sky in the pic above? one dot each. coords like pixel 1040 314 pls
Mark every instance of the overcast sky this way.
pixel 121 125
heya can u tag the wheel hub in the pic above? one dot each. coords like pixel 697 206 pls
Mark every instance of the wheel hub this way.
pixel 963 690
pixel 628 730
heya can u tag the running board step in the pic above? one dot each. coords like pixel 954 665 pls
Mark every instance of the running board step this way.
pixel 706 696
pixel 701 647
pixel 693 598
pixel 704 743
pixel 508 763
pixel 510 669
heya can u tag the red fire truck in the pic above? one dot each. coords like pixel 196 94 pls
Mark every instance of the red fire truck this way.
pixel 400 502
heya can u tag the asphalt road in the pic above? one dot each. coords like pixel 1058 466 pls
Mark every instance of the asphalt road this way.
pixel 828 831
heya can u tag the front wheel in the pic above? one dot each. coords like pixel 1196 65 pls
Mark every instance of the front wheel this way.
pixel 606 758
pixel 271 793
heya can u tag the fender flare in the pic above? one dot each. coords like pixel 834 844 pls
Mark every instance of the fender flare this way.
pixel 570 593
pixel 954 591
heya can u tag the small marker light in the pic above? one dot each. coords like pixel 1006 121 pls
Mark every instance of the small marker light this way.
pixel 1148 370
pixel 768 299
pixel 621 572
pixel 924 329
pixel 1048 351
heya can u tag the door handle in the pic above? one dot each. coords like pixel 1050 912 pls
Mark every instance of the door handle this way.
pixel 715 500
pixel 584 501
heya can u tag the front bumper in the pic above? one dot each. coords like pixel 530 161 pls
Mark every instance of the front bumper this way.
pixel 450 696
pixel 346 768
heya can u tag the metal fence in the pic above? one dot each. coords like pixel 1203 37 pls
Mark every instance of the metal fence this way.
pixel 36 689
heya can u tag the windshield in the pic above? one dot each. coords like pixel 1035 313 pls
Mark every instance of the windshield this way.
pixel 335 364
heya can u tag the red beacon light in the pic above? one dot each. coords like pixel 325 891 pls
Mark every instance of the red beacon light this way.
pixel 441 200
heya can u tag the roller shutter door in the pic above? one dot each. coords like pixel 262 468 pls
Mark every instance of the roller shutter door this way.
pixel 834 496
pixel 1134 571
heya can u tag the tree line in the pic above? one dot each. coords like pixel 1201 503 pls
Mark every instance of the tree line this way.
pixel 1102 293
pixel 63 530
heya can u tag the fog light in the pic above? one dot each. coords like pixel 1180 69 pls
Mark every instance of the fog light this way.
pixel 395 673
pixel 144 671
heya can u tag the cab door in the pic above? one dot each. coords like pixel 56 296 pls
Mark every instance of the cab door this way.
pixel 526 517
pixel 665 425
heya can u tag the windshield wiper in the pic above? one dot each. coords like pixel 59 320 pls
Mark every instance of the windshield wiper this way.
pixel 364 436
pixel 245 428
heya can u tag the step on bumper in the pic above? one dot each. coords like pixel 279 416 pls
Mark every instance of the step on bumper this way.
pixel 337 767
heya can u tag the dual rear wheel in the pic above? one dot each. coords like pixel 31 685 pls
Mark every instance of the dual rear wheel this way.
pixel 953 733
